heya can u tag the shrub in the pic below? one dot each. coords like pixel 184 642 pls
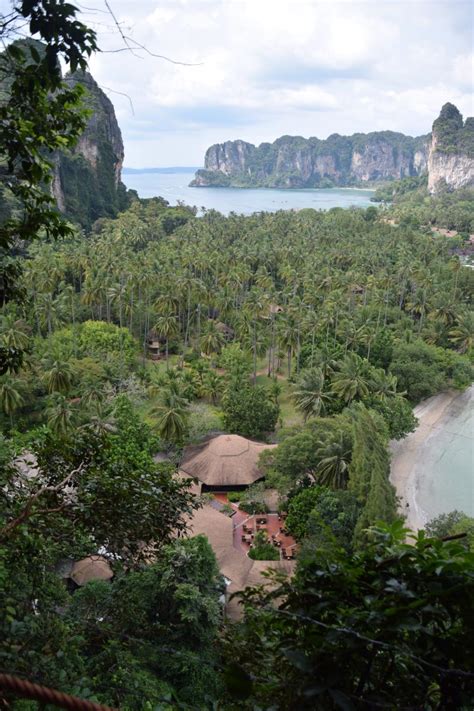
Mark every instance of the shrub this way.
pixel 235 496
pixel 262 549
pixel 250 411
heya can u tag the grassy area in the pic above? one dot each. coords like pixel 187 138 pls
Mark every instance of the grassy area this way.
pixel 205 417
pixel 289 415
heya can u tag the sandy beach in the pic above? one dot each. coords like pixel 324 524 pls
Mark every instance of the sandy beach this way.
pixel 409 454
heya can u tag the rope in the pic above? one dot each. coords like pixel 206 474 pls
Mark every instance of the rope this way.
pixel 26 690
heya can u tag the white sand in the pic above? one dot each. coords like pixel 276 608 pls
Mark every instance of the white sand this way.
pixel 408 454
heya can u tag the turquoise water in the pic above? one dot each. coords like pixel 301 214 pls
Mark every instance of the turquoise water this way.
pixel 174 187
pixel 446 475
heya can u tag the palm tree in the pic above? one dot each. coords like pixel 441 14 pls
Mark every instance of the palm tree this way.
pixel 172 415
pixel 383 385
pixel 93 394
pixel 212 385
pixel 50 311
pixel 100 420
pixel 310 396
pixel 59 377
pixel 10 398
pixel 462 335
pixel 13 333
pixel 117 293
pixel 333 467
pixel 351 381
pixel 167 326
pixel 288 337
pixel 60 414
pixel 254 307
pixel 212 339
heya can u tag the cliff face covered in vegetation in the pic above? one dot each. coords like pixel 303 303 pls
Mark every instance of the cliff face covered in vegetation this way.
pixel 87 180
pixel 296 162
pixel 447 156
pixel 451 154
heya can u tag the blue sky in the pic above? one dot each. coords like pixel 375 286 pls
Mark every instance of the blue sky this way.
pixel 273 67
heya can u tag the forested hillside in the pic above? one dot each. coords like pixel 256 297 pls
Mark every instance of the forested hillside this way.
pixel 319 330
pixel 156 328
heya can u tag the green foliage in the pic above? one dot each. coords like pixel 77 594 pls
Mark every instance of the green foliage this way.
pixel 448 210
pixel 102 340
pixel 172 414
pixel 370 471
pixel 249 411
pixel 174 606
pixel 235 360
pixel 103 491
pixel 397 188
pixel 262 549
pixel 40 114
pixel 451 524
pixel 397 413
pixel 330 644
pixel 452 136
pixel 323 516
pixel 421 369
pixel 203 421
pixel 252 500
pixel 310 394
pixel 235 496
pixel 321 448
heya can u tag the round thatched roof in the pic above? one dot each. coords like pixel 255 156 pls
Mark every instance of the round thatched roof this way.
pixel 94 567
pixel 225 460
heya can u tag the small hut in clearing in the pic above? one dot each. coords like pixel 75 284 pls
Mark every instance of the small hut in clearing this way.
pixel 224 463
pixel 226 331
pixel 155 345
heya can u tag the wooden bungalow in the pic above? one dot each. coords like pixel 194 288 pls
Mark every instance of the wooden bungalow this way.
pixel 155 345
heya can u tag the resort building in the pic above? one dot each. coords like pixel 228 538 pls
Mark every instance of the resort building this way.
pixel 224 463
pixel 235 565
pixel 231 463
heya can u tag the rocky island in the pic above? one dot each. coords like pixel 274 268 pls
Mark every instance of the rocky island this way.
pixel 446 156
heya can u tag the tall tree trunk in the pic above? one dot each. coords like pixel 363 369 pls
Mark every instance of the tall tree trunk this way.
pixel 198 329
pixel 254 352
pixel 188 319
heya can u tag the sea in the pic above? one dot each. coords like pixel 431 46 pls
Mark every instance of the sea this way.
pixel 173 185
pixel 446 474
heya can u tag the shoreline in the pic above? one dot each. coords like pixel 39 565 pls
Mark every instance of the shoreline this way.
pixel 409 453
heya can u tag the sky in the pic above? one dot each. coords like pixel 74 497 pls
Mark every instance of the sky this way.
pixel 265 68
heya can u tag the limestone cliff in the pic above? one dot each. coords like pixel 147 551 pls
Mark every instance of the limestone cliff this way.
pixel 451 152
pixel 87 181
pixel 296 162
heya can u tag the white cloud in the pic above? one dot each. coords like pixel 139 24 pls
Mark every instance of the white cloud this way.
pixel 270 67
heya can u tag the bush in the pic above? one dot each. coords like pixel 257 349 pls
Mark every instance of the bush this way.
pixel 250 411
pixel 262 549
pixel 253 499
pixel 235 496
pixel 203 420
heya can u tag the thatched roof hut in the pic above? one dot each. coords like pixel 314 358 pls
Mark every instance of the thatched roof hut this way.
pixel 224 462
pixel 240 570
pixel 94 567
pixel 219 530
